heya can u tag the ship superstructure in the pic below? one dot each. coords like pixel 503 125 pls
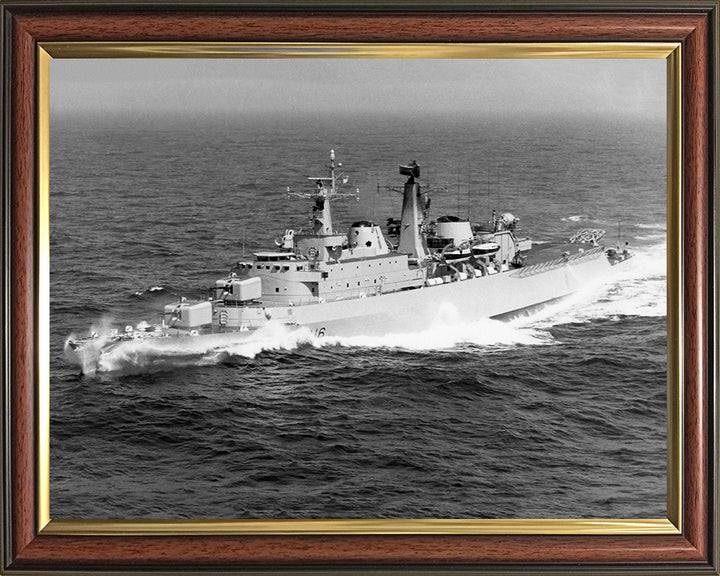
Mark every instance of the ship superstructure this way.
pixel 362 282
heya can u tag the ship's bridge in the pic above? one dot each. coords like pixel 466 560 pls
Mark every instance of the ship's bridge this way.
pixel 273 256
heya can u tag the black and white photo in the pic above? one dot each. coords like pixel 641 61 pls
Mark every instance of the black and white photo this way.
pixel 358 288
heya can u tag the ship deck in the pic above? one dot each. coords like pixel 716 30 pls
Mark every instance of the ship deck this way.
pixel 552 250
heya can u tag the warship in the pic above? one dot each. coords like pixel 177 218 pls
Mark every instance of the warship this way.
pixel 369 282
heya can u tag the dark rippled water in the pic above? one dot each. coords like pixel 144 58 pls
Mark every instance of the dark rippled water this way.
pixel 560 414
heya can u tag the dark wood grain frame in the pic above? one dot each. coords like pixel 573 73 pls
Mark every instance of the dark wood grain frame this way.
pixel 694 24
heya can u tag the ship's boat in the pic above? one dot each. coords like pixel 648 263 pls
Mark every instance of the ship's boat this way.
pixel 358 283
pixel 485 249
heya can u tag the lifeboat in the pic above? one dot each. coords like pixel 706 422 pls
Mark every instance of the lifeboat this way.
pixel 485 249
pixel 453 253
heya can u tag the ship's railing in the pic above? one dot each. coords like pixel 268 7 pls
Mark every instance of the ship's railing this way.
pixel 344 294
pixel 354 293
pixel 558 262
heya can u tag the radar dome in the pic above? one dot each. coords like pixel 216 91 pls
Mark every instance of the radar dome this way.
pixel 508 218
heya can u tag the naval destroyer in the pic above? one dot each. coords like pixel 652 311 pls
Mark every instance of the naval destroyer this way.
pixel 369 282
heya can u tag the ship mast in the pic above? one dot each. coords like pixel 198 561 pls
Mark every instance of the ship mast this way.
pixel 326 189
pixel 411 241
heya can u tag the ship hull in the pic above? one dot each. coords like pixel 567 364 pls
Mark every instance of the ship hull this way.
pixel 500 296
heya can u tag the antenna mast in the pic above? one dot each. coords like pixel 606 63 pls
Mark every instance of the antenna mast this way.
pixel 457 177
pixel 326 189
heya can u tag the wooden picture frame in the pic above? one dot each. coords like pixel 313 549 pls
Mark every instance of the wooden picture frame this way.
pixel 687 544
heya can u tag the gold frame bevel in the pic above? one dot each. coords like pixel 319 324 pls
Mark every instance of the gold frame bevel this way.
pixel 667 50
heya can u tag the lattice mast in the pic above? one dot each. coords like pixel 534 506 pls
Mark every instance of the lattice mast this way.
pixel 327 188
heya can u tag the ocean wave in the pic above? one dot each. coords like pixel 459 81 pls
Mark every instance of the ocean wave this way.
pixel 575 218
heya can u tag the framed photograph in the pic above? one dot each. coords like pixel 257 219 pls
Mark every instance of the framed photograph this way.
pixel 349 288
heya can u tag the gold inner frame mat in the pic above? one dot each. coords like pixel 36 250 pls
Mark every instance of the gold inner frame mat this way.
pixel 668 51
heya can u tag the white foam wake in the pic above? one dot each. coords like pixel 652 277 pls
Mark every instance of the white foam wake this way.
pixel 651 237
pixel 656 226
pixel 162 353
pixel 575 218
pixel 448 330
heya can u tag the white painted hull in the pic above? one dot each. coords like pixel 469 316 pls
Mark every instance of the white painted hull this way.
pixel 474 299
